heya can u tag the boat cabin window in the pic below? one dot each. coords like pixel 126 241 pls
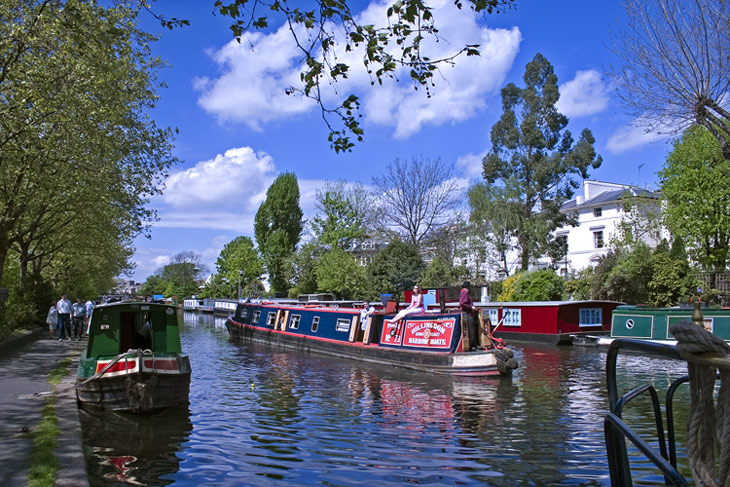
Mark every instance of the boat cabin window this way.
pixel 315 324
pixel 294 324
pixel 343 324
pixel 512 317
pixel 591 317
pixel 493 314
pixel 270 318
pixel 256 316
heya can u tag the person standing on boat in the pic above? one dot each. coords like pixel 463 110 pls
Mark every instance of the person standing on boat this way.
pixel 63 306
pixel 415 308
pixel 467 306
pixel 365 313
pixel 52 321
pixel 79 313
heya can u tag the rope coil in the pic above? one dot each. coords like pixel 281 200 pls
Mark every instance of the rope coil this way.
pixel 708 425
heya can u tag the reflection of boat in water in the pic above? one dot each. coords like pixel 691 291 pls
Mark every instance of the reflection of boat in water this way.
pixel 133 361
pixel 431 342
pixel 133 450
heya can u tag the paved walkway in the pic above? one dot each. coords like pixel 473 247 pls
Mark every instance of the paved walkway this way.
pixel 24 369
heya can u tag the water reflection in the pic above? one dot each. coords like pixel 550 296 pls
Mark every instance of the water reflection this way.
pixel 123 449
pixel 265 416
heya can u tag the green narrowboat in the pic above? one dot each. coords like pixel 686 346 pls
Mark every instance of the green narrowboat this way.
pixel 653 324
pixel 133 361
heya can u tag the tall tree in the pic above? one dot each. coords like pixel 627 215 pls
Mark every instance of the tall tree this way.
pixel 417 197
pixel 278 226
pixel 337 272
pixel 77 83
pixel 344 214
pixel 239 262
pixel 534 155
pixel 326 32
pixel 675 69
pixel 695 185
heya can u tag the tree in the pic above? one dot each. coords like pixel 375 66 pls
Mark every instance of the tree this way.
pixel 337 272
pixel 237 263
pixel 417 197
pixel 278 226
pixel 624 275
pixel 395 268
pixel 492 213
pixel 675 71
pixel 302 267
pixel 695 186
pixel 541 285
pixel 327 32
pixel 534 158
pixel 181 277
pixel 439 273
pixel 344 214
pixel 77 145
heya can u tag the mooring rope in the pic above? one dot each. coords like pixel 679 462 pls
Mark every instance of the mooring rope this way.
pixel 708 426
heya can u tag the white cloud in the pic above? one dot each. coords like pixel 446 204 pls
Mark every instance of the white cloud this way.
pixel 471 164
pixel 635 135
pixel 586 94
pixel 256 73
pixel 236 180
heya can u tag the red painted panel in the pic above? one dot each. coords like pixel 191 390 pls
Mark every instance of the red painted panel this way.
pixel 429 333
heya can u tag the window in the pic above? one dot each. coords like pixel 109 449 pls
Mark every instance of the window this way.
pixel 315 324
pixel 294 324
pixel 270 318
pixel 343 324
pixel 512 317
pixel 598 239
pixel 256 316
pixel 591 317
pixel 597 212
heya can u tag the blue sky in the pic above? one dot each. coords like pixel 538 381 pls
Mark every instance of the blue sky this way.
pixel 238 130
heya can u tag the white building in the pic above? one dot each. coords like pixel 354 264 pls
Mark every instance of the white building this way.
pixel 601 211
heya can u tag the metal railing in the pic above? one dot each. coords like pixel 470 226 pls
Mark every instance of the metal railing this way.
pixel 617 432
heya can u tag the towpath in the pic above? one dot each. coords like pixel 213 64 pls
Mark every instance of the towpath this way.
pixel 24 367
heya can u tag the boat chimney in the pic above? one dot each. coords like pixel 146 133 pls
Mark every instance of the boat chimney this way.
pixel 697 318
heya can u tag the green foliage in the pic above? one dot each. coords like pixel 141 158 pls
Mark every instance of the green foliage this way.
pixel 496 288
pixel 535 159
pixel 181 278
pixel 579 287
pixel 695 185
pixel 399 43
pixel 337 272
pixel 302 267
pixel 344 214
pixel 18 313
pixel 542 285
pixel 395 268
pixel 277 227
pixel 238 262
pixel 438 274
pixel 510 287
pixel 81 156
pixel 625 276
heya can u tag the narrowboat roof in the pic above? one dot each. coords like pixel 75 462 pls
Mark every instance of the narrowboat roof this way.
pixel 526 304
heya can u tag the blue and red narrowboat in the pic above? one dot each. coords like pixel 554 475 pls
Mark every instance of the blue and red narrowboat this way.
pixel 434 342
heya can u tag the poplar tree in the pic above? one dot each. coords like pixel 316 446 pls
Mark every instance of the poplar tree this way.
pixel 277 227
pixel 535 157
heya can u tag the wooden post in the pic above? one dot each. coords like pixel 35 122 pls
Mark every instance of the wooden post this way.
pixel 485 330
pixel 368 324
pixel 354 326
pixel 465 331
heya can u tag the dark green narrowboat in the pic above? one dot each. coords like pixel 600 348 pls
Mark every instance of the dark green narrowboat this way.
pixel 133 361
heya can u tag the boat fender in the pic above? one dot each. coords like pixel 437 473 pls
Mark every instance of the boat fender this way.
pixel 506 362
pixel 140 394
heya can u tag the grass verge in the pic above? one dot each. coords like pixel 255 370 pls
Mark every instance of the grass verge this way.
pixel 44 465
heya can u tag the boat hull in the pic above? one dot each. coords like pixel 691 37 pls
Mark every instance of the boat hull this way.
pixel 477 363
pixel 162 383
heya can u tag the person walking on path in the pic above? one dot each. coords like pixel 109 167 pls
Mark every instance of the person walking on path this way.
pixel 52 321
pixel 63 306
pixel 79 313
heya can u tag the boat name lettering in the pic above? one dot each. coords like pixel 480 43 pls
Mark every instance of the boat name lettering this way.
pixel 430 325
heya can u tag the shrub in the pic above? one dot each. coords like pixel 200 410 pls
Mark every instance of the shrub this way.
pixel 542 285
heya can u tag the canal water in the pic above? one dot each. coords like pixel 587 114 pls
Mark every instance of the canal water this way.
pixel 266 417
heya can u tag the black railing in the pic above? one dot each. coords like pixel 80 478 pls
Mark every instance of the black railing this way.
pixel 617 432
